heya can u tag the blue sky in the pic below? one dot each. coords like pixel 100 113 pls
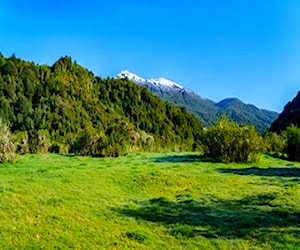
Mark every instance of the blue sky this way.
pixel 221 48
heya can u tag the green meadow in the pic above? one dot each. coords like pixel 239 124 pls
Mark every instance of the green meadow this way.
pixel 148 201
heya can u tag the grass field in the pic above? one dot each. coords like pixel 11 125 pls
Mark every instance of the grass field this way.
pixel 149 201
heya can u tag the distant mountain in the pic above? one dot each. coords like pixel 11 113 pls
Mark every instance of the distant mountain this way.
pixel 176 94
pixel 289 116
pixel 160 83
pixel 205 109
pixel 240 112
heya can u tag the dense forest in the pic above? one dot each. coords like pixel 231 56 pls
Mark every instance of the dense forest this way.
pixel 66 108
pixel 289 116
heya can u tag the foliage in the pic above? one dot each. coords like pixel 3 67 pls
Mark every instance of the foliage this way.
pixel 242 113
pixel 22 142
pixel 40 142
pixel 209 112
pixel 7 146
pixel 289 116
pixel 91 144
pixel 57 108
pixel 274 143
pixel 228 142
pixel 292 134
pixel 59 148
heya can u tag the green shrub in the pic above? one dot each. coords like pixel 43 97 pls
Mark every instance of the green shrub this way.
pixel 60 148
pixel 227 141
pixel 91 144
pixel 40 142
pixel 292 134
pixel 22 142
pixel 116 149
pixel 44 142
pixel 274 143
pixel 7 146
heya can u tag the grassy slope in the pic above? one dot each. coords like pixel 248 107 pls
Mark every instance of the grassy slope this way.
pixel 148 201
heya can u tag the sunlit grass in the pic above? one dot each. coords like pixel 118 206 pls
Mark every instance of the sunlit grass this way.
pixel 149 201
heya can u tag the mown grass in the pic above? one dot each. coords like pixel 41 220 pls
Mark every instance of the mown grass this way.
pixel 149 201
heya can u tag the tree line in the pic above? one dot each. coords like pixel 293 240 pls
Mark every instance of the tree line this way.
pixel 64 108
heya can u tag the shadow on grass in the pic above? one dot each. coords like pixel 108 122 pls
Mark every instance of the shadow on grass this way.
pixel 277 156
pixel 283 172
pixel 183 158
pixel 67 155
pixel 253 216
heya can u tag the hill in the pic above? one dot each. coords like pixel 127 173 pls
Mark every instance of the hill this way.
pixel 206 110
pixel 69 108
pixel 289 116
pixel 240 112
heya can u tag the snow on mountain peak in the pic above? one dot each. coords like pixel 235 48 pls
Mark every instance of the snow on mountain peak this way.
pixel 130 76
pixel 169 83
pixel 159 82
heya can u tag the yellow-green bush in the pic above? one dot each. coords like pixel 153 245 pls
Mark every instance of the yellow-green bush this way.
pixel 292 134
pixel 22 142
pixel 227 141
pixel 274 143
pixel 40 142
pixel 7 146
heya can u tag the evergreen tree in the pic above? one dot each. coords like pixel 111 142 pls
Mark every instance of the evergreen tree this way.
pixel 58 106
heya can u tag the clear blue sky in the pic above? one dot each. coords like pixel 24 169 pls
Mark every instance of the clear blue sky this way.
pixel 221 48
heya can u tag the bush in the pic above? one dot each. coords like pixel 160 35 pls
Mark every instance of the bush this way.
pixel 116 149
pixel 274 143
pixel 90 144
pixel 226 141
pixel 7 146
pixel 40 142
pixel 22 143
pixel 292 134
pixel 59 148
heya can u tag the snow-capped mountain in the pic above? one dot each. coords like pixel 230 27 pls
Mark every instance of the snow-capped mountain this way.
pixel 206 110
pixel 150 83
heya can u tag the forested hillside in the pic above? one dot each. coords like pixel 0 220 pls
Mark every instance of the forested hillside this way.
pixel 206 110
pixel 240 112
pixel 289 116
pixel 67 108
pixel 209 112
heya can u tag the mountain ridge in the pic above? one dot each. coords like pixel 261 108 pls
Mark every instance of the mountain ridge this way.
pixel 158 82
pixel 205 109
pixel 289 116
